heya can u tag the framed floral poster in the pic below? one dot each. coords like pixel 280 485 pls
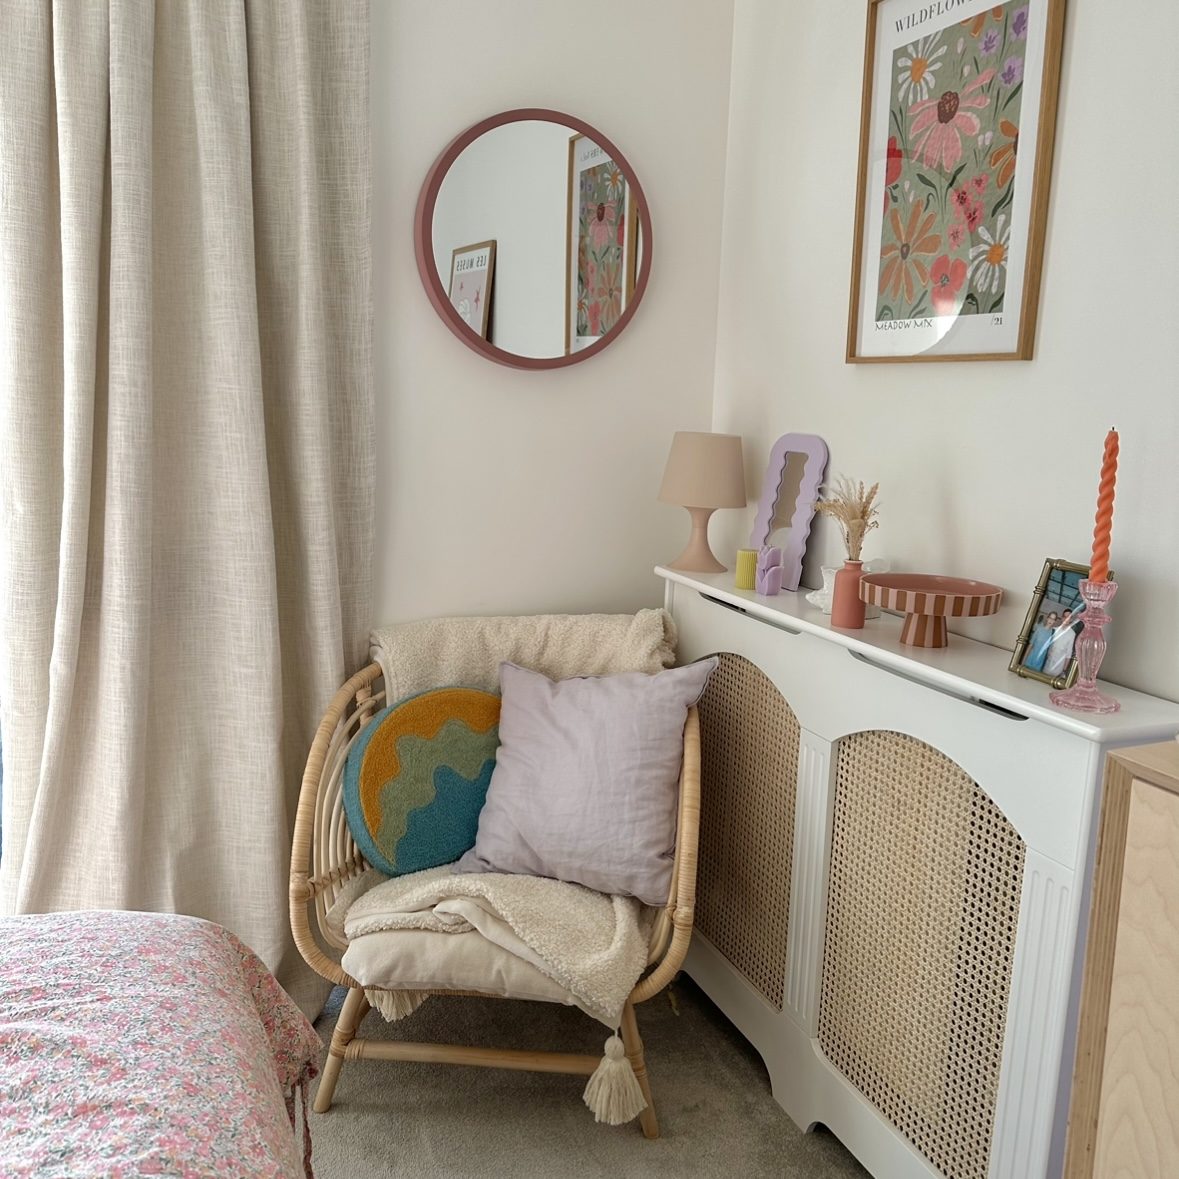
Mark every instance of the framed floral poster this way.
pixel 956 133
pixel 472 271
pixel 602 245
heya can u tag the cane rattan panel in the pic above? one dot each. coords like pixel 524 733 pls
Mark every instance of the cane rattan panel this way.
pixel 749 772
pixel 923 906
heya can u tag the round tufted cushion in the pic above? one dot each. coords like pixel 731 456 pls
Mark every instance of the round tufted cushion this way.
pixel 416 780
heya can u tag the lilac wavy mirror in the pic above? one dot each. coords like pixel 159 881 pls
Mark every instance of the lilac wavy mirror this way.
pixel 794 475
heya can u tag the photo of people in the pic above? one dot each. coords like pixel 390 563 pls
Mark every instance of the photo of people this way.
pixel 1047 646
pixel 1053 638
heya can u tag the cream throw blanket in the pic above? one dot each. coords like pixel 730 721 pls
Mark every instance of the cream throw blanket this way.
pixel 435 652
pixel 592 945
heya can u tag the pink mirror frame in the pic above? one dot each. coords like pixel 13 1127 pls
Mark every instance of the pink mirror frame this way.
pixel 424 249
pixel 815 450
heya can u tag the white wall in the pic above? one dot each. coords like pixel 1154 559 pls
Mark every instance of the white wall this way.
pixel 985 468
pixel 512 185
pixel 507 491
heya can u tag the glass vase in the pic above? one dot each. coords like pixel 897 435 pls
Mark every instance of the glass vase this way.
pixel 1084 695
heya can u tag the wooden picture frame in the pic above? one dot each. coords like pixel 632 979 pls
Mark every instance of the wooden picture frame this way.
pixel 1037 652
pixel 953 181
pixel 473 268
pixel 606 245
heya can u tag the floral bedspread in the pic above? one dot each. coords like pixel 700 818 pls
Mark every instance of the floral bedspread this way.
pixel 146 1044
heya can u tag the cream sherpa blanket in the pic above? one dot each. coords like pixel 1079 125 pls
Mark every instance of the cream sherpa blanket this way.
pixel 434 652
pixel 592 945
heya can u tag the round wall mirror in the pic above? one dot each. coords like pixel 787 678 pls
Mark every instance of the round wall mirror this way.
pixel 533 239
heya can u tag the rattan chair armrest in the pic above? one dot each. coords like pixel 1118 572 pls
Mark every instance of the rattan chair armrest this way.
pixel 681 907
pixel 302 889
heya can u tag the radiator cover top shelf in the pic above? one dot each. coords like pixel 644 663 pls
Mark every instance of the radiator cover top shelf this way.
pixel 966 668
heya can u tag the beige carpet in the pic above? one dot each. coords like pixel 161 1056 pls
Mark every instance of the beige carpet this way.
pixel 433 1121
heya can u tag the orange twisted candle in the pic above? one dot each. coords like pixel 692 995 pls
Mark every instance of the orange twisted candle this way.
pixel 1099 563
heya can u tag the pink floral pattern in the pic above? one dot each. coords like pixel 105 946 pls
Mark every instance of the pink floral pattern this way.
pixel 602 249
pixel 950 151
pixel 146 1044
pixel 938 124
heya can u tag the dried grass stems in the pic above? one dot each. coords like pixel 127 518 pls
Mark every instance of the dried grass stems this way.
pixel 855 511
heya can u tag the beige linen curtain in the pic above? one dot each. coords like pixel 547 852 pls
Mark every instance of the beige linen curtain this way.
pixel 185 429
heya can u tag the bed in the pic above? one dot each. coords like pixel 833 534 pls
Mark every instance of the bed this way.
pixel 146 1044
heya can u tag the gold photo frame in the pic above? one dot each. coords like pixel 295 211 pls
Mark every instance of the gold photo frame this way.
pixel 1044 648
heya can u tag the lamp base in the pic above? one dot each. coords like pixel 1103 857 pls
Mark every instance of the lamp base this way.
pixel 697 556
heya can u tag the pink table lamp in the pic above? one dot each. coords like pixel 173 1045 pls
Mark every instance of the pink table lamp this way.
pixel 704 472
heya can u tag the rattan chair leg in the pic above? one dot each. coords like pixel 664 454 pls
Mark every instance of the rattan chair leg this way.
pixel 355 1008
pixel 634 1053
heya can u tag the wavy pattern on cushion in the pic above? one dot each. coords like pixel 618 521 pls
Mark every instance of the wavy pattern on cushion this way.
pixel 428 842
pixel 415 782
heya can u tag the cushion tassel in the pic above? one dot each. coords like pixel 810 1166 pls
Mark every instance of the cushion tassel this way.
pixel 613 1092
pixel 395 1005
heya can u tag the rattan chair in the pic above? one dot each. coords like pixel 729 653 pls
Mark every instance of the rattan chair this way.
pixel 324 858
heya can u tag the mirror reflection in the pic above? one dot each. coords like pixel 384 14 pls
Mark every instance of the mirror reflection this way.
pixel 786 499
pixel 535 238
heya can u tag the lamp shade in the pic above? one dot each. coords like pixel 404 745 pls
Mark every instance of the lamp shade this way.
pixel 704 471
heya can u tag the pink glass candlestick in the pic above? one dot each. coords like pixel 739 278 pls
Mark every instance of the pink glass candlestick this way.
pixel 1084 695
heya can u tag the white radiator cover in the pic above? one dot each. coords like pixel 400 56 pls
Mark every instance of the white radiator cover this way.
pixel 977 1019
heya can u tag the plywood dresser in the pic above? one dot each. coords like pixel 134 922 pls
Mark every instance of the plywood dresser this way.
pixel 896 853
pixel 1125 1112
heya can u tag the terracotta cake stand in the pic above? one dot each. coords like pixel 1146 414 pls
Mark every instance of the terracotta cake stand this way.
pixel 927 600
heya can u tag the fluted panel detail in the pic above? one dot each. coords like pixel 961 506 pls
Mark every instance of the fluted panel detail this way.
pixel 1030 1071
pixel 805 944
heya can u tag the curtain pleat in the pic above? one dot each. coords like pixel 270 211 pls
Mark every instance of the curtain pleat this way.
pixel 186 431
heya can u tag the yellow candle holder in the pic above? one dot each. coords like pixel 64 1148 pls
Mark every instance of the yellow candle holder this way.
pixel 746 575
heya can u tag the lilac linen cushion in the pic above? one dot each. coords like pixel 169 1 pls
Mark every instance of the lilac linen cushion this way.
pixel 586 781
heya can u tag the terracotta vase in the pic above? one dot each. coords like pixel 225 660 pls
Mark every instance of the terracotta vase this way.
pixel 847 611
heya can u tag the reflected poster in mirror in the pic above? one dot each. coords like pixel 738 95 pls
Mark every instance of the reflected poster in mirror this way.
pixel 601 244
pixel 472 273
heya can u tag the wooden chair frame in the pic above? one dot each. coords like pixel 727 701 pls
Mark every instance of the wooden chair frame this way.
pixel 324 858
